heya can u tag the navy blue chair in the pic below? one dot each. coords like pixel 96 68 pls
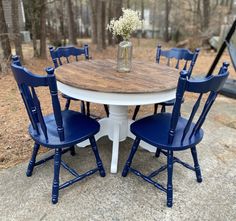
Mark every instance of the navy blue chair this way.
pixel 170 132
pixel 176 54
pixel 60 130
pixel 68 52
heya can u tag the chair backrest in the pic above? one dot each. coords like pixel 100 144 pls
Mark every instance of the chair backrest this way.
pixel 27 82
pixel 178 54
pixel 66 52
pixel 206 85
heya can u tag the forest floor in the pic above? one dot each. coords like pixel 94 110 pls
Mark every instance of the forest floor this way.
pixel 16 144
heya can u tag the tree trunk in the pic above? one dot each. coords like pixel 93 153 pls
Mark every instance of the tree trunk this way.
pixel 43 53
pixel 142 16
pixel 34 38
pixel 103 24
pixel 118 7
pixel 34 18
pixel 99 25
pixel 71 23
pixel 61 21
pixel 128 4
pixel 206 14
pixel 231 6
pixel 81 20
pixel 167 11
pixel 111 40
pixel 4 38
pixel 87 20
pixel 16 27
pixel 93 9
pixel 154 18
pixel 118 12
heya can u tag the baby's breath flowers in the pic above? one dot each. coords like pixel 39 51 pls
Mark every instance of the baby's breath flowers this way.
pixel 126 24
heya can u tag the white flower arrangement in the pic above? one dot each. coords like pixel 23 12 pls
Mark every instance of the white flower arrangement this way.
pixel 126 24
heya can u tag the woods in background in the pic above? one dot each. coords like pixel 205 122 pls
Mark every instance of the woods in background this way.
pixel 60 22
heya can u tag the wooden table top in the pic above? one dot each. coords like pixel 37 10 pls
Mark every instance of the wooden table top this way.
pixel 101 75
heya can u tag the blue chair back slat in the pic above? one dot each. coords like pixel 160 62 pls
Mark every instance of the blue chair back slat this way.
pixel 211 85
pixel 210 100
pixel 185 65
pixel 55 102
pixel 177 106
pixel 29 104
pixel 39 113
pixel 66 52
pixel 26 81
pixel 177 64
pixel 195 108
pixel 178 54
pixel 193 61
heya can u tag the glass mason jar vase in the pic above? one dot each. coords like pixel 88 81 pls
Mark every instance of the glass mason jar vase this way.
pixel 124 56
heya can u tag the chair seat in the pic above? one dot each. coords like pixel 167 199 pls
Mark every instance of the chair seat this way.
pixel 68 97
pixel 155 129
pixel 77 127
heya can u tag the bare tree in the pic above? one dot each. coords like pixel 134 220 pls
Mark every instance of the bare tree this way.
pixel 16 27
pixel 167 12
pixel 93 9
pixel 43 53
pixel 71 23
pixel 4 38
pixel 99 25
pixel 103 24
pixel 206 13
pixel 154 17
pixel 118 7
pixel 127 3
pixel 110 15
pixel 118 4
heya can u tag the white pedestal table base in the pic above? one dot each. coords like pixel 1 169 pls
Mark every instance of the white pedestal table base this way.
pixel 117 127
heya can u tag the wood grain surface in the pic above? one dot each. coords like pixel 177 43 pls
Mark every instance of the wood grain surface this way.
pixel 102 76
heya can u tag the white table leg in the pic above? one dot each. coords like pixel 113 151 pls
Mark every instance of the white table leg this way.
pixel 118 130
pixel 115 148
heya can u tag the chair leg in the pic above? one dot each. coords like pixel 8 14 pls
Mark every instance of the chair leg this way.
pixel 106 109
pixel 67 104
pixel 130 158
pixel 163 108
pixel 196 165
pixel 136 110
pixel 169 178
pixel 55 185
pixel 72 151
pixel 157 154
pixel 98 159
pixel 88 108
pixel 82 107
pixel 155 108
pixel 32 161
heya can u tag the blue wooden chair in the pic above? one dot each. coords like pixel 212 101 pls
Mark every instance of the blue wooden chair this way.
pixel 177 54
pixel 171 132
pixel 68 52
pixel 60 130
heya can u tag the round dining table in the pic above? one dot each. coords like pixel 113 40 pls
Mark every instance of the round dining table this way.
pixel 98 81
